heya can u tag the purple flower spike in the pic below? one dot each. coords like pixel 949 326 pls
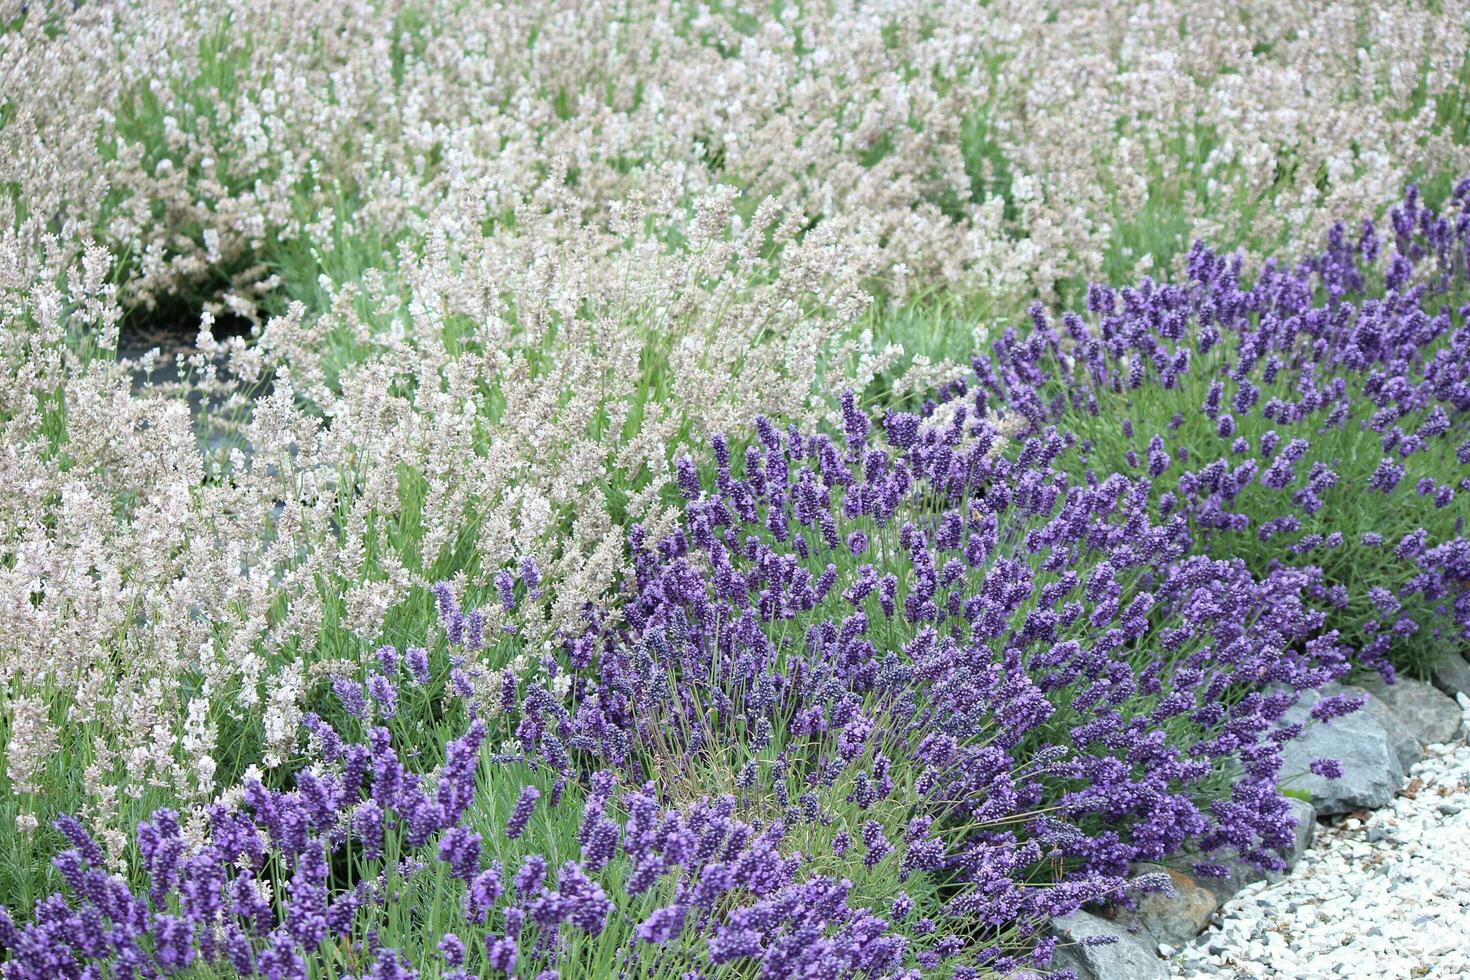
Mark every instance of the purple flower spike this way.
pixel 505 587
pixel 521 815
pixel 501 954
pixel 417 660
pixel 1326 768
pixel 385 694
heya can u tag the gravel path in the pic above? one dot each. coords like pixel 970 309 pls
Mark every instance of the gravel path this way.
pixel 1382 894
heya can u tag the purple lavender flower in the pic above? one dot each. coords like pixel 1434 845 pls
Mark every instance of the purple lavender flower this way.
pixel 688 478
pixel 663 925
pixel 530 876
pixel 531 575
pixel 505 588
pixel 388 659
pixel 1386 477
pixel 443 598
pixel 521 815
pixel 417 660
pixel 589 906
pixel 876 843
pixel 1326 768
pixel 501 954
pixel 452 949
pixel 483 892
pixel 390 965
pixel 385 694
pixel 349 693
pixel 460 849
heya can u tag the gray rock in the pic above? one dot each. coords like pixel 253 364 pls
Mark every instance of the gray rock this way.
pixel 1431 715
pixel 1131 957
pixel 1306 829
pixel 1452 676
pixel 1174 918
pixel 1406 745
pixel 1372 773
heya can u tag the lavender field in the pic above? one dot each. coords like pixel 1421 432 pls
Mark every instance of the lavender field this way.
pixel 662 490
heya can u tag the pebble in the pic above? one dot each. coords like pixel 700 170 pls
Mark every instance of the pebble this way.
pixel 1381 897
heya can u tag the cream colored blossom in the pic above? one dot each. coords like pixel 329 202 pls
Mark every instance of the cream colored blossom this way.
pixel 32 744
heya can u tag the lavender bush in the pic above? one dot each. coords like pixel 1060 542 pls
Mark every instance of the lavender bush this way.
pixel 1319 417
pixel 973 687
pixel 307 307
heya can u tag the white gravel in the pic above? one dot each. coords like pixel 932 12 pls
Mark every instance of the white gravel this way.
pixel 1387 895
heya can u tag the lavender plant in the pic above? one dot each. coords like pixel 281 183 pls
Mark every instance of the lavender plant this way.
pixel 476 321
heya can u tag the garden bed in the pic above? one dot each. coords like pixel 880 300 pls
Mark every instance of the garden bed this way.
pixel 902 491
